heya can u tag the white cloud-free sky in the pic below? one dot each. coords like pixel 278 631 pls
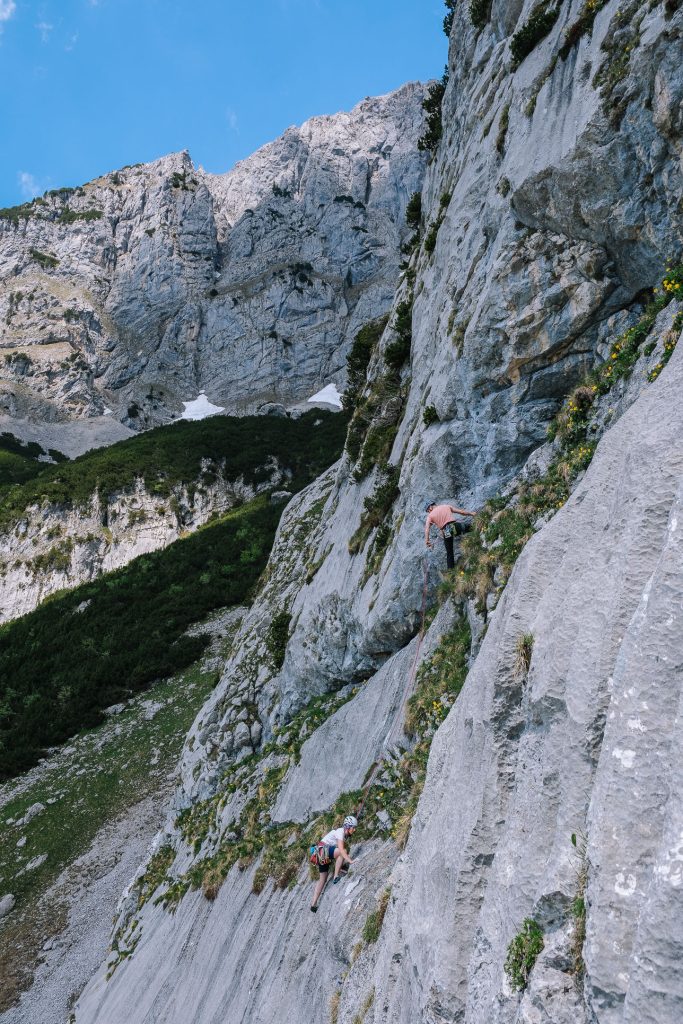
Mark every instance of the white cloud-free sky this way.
pixel 87 86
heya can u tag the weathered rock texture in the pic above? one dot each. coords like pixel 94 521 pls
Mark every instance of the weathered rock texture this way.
pixel 248 286
pixel 553 201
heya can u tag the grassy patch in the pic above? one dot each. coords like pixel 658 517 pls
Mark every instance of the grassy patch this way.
pixel 111 769
pixel 365 1008
pixel 670 343
pixel 578 908
pixel 523 651
pixel 374 424
pixel 523 952
pixel 376 507
pixel 375 920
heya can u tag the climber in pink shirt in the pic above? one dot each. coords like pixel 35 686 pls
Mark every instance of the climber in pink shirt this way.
pixel 442 516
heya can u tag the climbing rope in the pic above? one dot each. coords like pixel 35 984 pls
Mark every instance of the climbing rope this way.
pixel 390 737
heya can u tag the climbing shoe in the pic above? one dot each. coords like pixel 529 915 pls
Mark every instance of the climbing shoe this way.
pixel 314 910
pixel 335 880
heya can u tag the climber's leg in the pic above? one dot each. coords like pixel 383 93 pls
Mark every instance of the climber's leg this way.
pixel 448 544
pixel 320 885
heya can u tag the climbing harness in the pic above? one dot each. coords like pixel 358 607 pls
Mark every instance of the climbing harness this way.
pixel 320 854
pixel 391 736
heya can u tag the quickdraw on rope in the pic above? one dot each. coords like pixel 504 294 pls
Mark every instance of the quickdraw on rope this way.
pixel 399 719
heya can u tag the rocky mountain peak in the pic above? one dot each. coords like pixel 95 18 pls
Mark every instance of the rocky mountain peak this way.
pixel 155 283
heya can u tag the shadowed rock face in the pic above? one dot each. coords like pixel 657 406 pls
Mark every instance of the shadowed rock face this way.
pixel 554 215
pixel 248 286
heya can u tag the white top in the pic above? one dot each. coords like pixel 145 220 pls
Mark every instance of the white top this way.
pixel 334 838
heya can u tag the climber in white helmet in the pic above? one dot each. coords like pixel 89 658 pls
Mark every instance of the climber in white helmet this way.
pixel 331 849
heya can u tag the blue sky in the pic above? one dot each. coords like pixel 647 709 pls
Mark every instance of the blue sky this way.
pixel 87 86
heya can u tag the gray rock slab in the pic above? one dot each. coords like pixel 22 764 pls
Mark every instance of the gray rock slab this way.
pixel 6 904
pixel 588 743
pixel 353 739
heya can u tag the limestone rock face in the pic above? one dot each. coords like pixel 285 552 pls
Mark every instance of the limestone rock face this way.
pixel 150 285
pixel 586 743
pixel 522 762
pixel 551 203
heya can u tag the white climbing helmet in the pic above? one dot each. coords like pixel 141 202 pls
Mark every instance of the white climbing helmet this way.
pixel 350 821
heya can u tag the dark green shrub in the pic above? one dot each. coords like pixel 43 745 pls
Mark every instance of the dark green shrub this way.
pixel 480 12
pixel 358 359
pixel 430 415
pixel 19 462
pixel 523 952
pixel 398 351
pixel 16 213
pixel 539 24
pixel 448 20
pixel 430 238
pixel 63 193
pixel 503 128
pixel 277 638
pixel 431 137
pixel 44 259
pixel 69 216
pixel 181 180
pixel 582 25
pixel 414 211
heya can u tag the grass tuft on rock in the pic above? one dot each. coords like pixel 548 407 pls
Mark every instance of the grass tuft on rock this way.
pixel 523 952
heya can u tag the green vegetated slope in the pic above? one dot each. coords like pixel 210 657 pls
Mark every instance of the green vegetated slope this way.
pixel 186 453
pixel 19 461
pixel 102 775
pixel 85 649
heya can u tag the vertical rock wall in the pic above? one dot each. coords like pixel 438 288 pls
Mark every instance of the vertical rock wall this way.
pixel 551 203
